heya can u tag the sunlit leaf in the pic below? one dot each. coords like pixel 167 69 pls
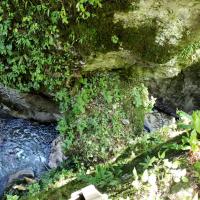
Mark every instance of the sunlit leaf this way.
pixel 196 120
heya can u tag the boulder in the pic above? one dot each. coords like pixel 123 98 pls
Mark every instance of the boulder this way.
pixel 28 106
pixel 158 43
pixel 56 156
pixel 20 176
pixel 181 92
pixel 156 120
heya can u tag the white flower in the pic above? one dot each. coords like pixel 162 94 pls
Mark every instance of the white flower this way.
pixel 178 174
pixel 145 176
pixel 177 180
pixel 136 184
pixel 183 172
pixel 175 165
pixel 152 179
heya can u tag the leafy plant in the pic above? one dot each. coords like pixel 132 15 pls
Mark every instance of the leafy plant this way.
pixel 82 7
pixel 115 39
pixel 12 197
pixel 93 128
pixel 149 162
pixel 191 124
pixel 35 54
pixel 156 179
pixel 102 177
pixel 34 189
pixel 197 166
pixel 196 121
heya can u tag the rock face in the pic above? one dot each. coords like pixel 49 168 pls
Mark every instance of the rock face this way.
pixel 159 44
pixel 28 106
pixel 155 35
pixel 182 91
pixel 56 156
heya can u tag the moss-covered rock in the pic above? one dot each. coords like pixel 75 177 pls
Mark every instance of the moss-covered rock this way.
pixel 151 34
pixel 102 117
pixel 157 41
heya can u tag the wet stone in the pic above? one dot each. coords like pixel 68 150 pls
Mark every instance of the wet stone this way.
pixel 156 120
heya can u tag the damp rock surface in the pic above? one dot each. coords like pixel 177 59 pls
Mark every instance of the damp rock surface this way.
pixel 181 92
pixel 28 106
pixel 157 120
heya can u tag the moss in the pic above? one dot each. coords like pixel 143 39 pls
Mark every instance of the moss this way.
pixel 110 60
pixel 94 35
pixel 146 34
pixel 61 193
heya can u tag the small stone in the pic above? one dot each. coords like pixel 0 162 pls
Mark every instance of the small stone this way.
pixel 147 126
pixel 126 177
pixel 82 62
pixel 20 175
pixel 125 121
pixel 29 180
pixel 19 187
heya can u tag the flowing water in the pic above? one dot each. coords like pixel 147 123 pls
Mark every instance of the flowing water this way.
pixel 23 145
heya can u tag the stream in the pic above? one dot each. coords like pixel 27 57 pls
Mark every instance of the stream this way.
pixel 24 145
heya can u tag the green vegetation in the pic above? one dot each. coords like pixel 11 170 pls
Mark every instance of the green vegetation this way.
pixel 12 197
pixel 157 166
pixel 101 120
pixel 39 54
pixel 95 58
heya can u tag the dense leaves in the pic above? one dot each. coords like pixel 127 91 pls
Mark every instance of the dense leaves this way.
pixel 36 47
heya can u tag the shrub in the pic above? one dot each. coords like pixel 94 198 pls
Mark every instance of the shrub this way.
pixel 36 43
